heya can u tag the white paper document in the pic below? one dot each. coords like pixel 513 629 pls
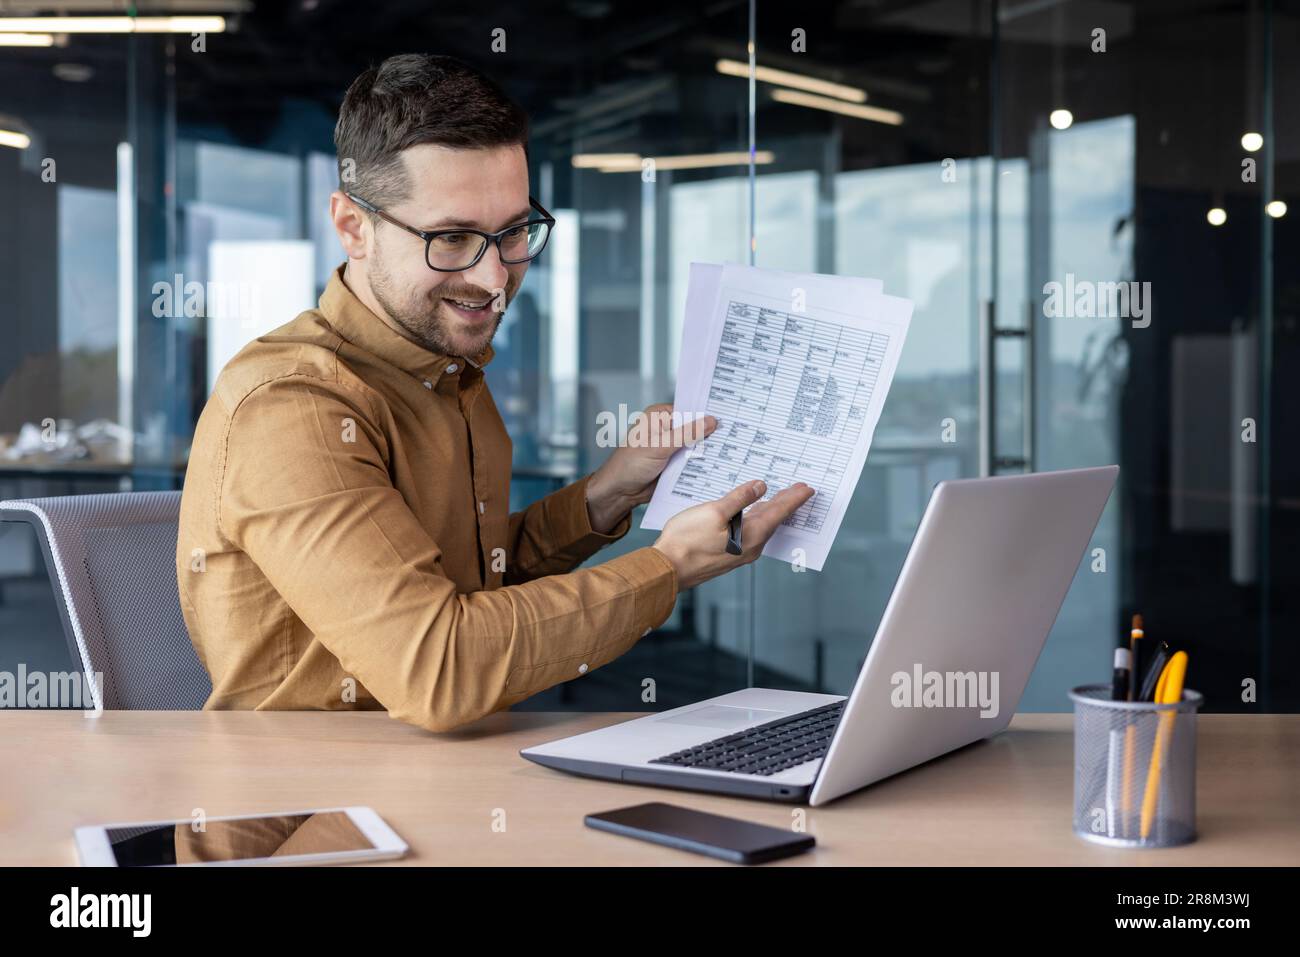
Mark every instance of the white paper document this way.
pixel 795 367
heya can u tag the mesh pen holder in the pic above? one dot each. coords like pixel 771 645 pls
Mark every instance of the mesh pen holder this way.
pixel 1134 769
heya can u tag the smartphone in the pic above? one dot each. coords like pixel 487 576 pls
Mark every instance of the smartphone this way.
pixel 723 837
pixel 339 835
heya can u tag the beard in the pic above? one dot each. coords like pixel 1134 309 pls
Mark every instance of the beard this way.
pixel 430 321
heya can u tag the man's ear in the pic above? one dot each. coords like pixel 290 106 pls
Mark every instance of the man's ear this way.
pixel 351 225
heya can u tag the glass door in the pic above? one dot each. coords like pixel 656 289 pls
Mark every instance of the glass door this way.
pixel 1130 317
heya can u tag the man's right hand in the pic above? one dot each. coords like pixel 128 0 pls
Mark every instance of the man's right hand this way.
pixel 695 539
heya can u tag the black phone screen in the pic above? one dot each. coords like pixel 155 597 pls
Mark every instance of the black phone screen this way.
pixel 712 834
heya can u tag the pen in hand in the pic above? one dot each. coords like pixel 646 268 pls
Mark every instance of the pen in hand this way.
pixel 734 544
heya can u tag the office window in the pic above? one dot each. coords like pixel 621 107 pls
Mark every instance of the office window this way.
pixel 998 154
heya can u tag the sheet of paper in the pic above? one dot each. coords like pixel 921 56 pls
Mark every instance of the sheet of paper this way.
pixel 796 368
pixel 702 296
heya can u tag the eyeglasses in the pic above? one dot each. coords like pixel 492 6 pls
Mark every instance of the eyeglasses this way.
pixel 455 250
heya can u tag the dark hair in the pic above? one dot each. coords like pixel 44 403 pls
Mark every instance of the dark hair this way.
pixel 418 98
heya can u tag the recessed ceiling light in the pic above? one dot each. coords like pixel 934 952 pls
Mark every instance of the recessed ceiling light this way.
pixel 15 139
pixel 113 24
pixel 859 110
pixel 26 40
pixel 590 9
pixel 1216 216
pixel 634 162
pixel 73 72
pixel 798 81
pixel 1276 209
pixel 1251 142
pixel 1061 119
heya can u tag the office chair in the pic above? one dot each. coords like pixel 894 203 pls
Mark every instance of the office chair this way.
pixel 112 563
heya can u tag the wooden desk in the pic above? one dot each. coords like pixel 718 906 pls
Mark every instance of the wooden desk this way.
pixel 1003 801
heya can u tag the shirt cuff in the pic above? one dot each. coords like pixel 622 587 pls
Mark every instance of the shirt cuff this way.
pixel 570 523
pixel 638 609
pixel 655 579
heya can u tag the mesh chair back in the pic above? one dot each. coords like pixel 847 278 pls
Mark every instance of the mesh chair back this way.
pixel 114 567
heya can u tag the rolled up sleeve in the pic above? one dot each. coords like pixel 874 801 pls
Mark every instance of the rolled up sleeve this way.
pixel 341 546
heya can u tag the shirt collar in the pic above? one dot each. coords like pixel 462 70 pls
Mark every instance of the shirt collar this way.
pixel 356 323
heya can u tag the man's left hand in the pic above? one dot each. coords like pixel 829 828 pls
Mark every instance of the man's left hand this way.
pixel 629 476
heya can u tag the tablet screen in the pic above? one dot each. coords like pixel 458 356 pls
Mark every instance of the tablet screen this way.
pixel 241 839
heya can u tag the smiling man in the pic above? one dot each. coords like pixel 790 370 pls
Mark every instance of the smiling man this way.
pixel 345 537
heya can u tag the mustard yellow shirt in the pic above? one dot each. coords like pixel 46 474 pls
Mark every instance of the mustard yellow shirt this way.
pixel 346 543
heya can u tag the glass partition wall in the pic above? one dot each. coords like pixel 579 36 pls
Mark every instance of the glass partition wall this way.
pixel 1087 204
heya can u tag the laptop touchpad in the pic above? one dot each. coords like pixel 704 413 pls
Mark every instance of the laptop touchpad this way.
pixel 722 716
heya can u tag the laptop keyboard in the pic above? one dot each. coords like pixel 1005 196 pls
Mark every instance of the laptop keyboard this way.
pixel 766 748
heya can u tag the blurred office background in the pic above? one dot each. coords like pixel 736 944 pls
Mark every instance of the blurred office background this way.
pixel 967 152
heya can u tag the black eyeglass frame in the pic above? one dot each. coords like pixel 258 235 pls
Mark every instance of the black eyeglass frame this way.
pixel 429 235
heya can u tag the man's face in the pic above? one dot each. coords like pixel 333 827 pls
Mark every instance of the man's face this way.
pixel 484 189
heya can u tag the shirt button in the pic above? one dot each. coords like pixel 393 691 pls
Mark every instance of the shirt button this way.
pixel 428 384
pixel 482 509
pixel 582 669
pixel 453 367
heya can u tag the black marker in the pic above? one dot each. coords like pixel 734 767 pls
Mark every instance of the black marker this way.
pixel 1157 665
pixel 1123 669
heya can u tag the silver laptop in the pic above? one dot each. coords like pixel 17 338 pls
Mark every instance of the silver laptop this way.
pixel 981 587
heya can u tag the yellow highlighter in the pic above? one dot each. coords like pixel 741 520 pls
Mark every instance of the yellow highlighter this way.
pixel 1169 690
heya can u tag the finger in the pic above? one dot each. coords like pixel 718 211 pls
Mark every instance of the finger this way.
pixel 762 520
pixel 660 417
pixel 742 496
pixel 651 428
pixel 693 432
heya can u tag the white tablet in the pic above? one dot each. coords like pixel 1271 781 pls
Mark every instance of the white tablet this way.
pixel 341 835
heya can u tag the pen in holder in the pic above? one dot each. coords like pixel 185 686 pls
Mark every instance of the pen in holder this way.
pixel 1134 769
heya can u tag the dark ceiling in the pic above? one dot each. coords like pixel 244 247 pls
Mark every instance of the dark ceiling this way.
pixel 599 75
